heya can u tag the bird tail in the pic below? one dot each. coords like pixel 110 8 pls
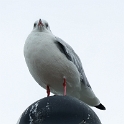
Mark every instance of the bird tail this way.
pixel 87 95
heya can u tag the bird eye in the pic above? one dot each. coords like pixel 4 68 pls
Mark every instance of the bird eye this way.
pixel 35 24
pixel 46 25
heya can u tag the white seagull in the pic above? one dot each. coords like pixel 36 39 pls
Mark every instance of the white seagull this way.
pixel 55 66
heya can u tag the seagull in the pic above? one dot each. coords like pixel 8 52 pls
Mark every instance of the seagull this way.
pixel 56 67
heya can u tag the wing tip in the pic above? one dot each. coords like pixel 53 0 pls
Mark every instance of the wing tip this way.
pixel 100 106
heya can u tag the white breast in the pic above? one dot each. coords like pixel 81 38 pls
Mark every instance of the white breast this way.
pixel 48 65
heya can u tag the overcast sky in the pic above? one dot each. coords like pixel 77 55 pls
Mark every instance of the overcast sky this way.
pixel 95 30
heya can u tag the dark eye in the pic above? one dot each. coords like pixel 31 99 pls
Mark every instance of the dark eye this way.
pixel 46 25
pixel 35 25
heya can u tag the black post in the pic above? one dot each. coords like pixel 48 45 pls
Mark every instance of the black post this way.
pixel 59 110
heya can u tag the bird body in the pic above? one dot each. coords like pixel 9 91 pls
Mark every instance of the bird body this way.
pixel 50 60
pixel 48 66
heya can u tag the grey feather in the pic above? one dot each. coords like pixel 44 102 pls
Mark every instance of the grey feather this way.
pixel 73 57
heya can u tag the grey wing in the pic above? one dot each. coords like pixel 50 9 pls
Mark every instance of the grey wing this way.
pixel 72 56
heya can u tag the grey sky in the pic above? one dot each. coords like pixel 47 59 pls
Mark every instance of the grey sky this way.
pixel 95 30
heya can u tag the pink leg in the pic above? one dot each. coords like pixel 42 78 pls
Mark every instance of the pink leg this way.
pixel 48 91
pixel 64 85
